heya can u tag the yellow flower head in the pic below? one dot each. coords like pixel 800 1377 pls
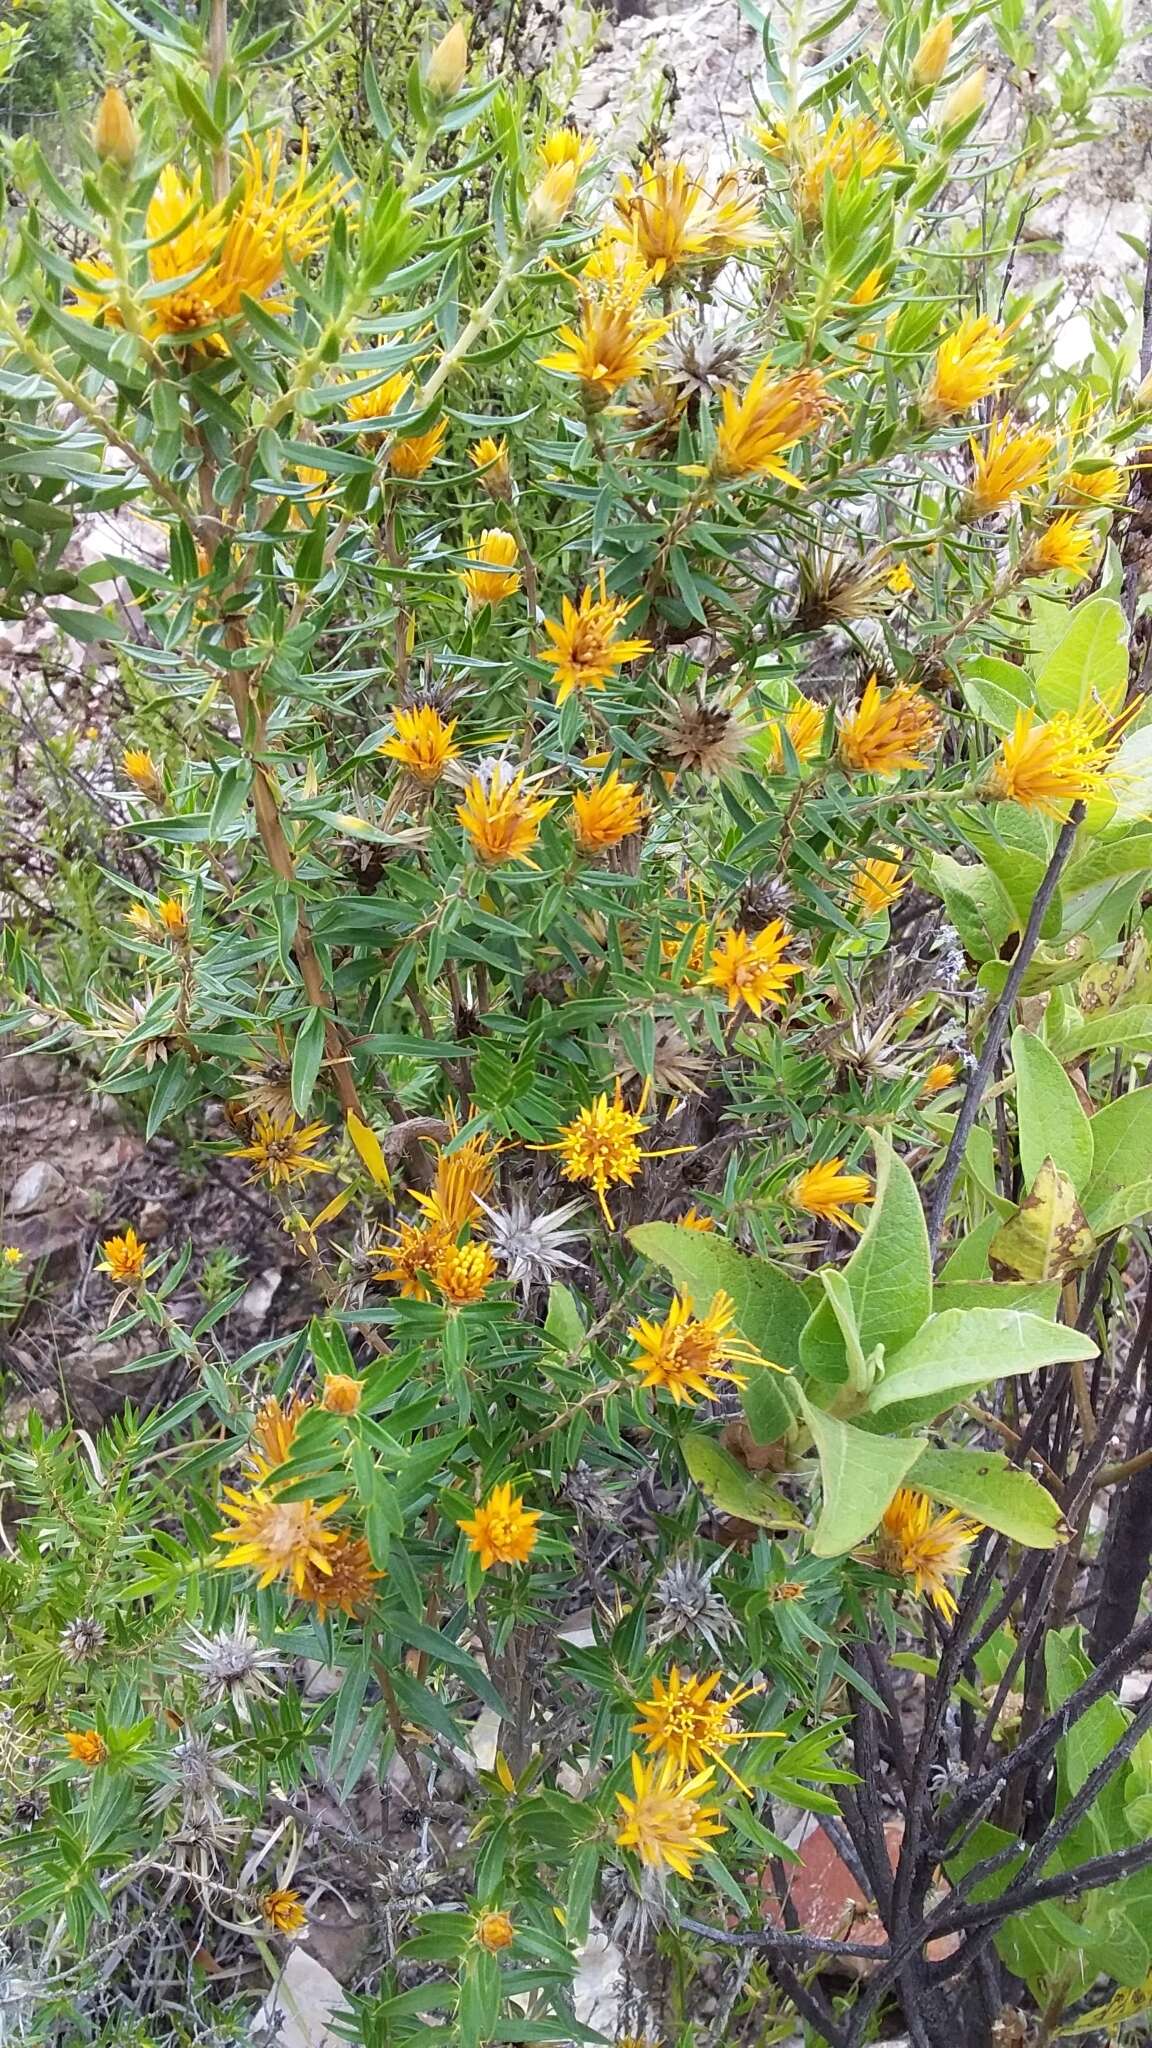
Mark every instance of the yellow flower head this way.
pixel 463 1173
pixel 1011 462
pixel 447 66
pixel 600 1146
pixel 852 144
pixel 684 1721
pixel 753 971
pixel 464 1272
pixel 888 730
pixel 372 407
pixel 279 1148
pixel 587 648
pixel 170 913
pixel 494 1931
pixel 346 1581
pixel 550 199
pixel 503 1530
pixel 274 1433
pixel 612 342
pixel 735 223
pixel 412 454
pixel 932 53
pixel 1048 765
pixel 971 363
pixel 421 743
pixel 411 1258
pixel 901 580
pixel 500 818
pixel 688 1354
pixel 494 575
pixel 666 217
pixel 341 1394
pixel 878 884
pixel 114 136
pixel 86 1746
pixel 1066 544
pixel 605 815
pixel 279 1539
pixel 490 458
pixel 915 1544
pixel 939 1076
pixel 692 1219
pixel 283 1912
pixel 665 1821
pixel 565 145
pixel 141 769
pixel 1106 484
pixel 124 1258
pixel 773 415
pixel 803 722
pixel 825 1190
pixel 12 1255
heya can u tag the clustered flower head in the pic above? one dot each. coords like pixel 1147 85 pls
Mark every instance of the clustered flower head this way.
pixel 688 1355
pixel 601 1146
pixel 829 1192
pixel 925 1548
pixel 1048 764
pixel 503 1530
pixel 587 644
pixel 887 730
pixel 752 969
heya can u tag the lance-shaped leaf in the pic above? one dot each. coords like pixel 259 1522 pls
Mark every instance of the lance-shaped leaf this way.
pixel 889 1276
pixel 958 1352
pixel 986 1485
pixel 1047 1237
pixel 859 1473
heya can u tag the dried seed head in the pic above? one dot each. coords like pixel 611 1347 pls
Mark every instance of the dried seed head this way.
pixel 762 902
pixel 531 1244
pixel 687 1604
pixel 833 590
pixel 82 1639
pixel 676 1069
pixel 708 737
pixel 700 357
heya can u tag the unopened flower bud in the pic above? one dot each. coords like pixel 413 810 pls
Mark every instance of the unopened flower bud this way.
pixel 1142 396
pixel 448 64
pixel 495 1931
pixel 966 100
pixel 550 199
pixel 931 59
pixel 114 136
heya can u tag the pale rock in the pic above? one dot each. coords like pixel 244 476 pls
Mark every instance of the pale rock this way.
pixel 38 1185
pixel 301 2005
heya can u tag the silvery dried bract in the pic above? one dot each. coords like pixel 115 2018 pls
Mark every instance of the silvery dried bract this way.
pixel 529 1244
pixel 687 1604
pixel 82 1639
pixel 232 1664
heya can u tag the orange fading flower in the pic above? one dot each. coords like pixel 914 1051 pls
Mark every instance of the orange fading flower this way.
pixel 927 1549
pixel 283 1912
pixel 422 743
pixel 753 970
pixel 684 1722
pixel 345 1582
pixel 86 1746
pixel 878 884
pixel 605 815
pixel 600 1146
pixel 888 730
pixel 687 1354
pixel 124 1258
pixel 1048 765
pixel 463 1272
pixel 280 1147
pixel 341 1394
pixel 494 1931
pixel 971 363
pixel 773 415
pixel 501 820
pixel 825 1189
pixel 279 1539
pixel 411 1258
pixel 586 648
pixel 1067 544
pixel 665 1821
pixel 503 1530
pixel 494 575
pixel 1012 460
pixel 939 1076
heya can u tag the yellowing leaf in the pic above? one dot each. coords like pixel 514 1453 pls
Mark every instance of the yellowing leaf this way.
pixel 1047 1237
pixel 733 1489
pixel 370 1149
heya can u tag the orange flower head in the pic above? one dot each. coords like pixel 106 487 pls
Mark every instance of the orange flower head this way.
pixel 685 1722
pixel 927 1549
pixel 1068 543
pixel 878 884
pixel 86 1746
pixel 341 1394
pixel 278 1539
pixel 412 454
pixel 587 648
pixel 500 819
pixel 971 363
pixel 463 1173
pixel 753 970
pixel 612 343
pixel 421 743
pixel 345 1584
pixel 283 1912
pixel 464 1272
pixel 888 730
pixel 601 1146
pixel 141 769
pixel 605 815
pixel 774 414
pixel 825 1189
pixel 503 1530
pixel 689 1355
pixel 412 1257
pixel 939 1076
pixel 124 1258
pixel 280 1147
pixel 665 1820
pixel 494 1931
pixel 1046 765
pixel 1012 461
pixel 274 1433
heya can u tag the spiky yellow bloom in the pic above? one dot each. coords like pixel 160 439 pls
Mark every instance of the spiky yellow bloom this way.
pixel 494 1931
pixel 878 884
pixel 490 458
pixel 274 1434
pixel 1066 544
pixel 124 1258
pixel 411 454
pixel 1011 462
pixel 825 1190
pixel 851 144
pixel 463 1174
pixel 283 1912
pixel 932 53
pixel 688 1354
pixel 971 363
pixel 1104 485
pixel 1046 765
pixel 565 145
pixel 86 1746
pixel 928 1549
pixel 12 1255
pixel 667 217
pixel 605 815
pixel 550 200
pixel 141 769
pixel 464 1272
pixel 494 575
pixel 279 1539
pixel 752 970
pixel 612 342
pixel 868 290
pixel 901 581
pixel 939 1076
pixel 888 730
pixel 586 645
pixel 279 1148
pixel 665 1820
pixel 773 415
pixel 685 1723
pixel 600 1146
pixel 692 1219
pixel 503 1530
pixel 421 743
pixel 341 1394
pixel 803 722
pixel 372 406
pixel 735 218
pixel 171 914
pixel 411 1258
pixel 346 1581
pixel 501 820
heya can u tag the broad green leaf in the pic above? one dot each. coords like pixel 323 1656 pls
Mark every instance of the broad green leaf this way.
pixel 889 1275
pixel 969 1260
pixel 1130 776
pixel 1034 1944
pixel 995 690
pixel 962 1350
pixel 976 904
pixel 1016 849
pixel 1127 1205
pixel 986 1485
pixel 1121 1159
pixel 564 1322
pixel 731 1487
pixel 770 1309
pixel 1048 1236
pixel 859 1474
pixel 1090 658
pixel 1039 1297
pixel 1125 1030
pixel 1051 1122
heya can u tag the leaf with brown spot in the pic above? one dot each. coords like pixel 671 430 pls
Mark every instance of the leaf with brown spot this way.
pixel 1047 1237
